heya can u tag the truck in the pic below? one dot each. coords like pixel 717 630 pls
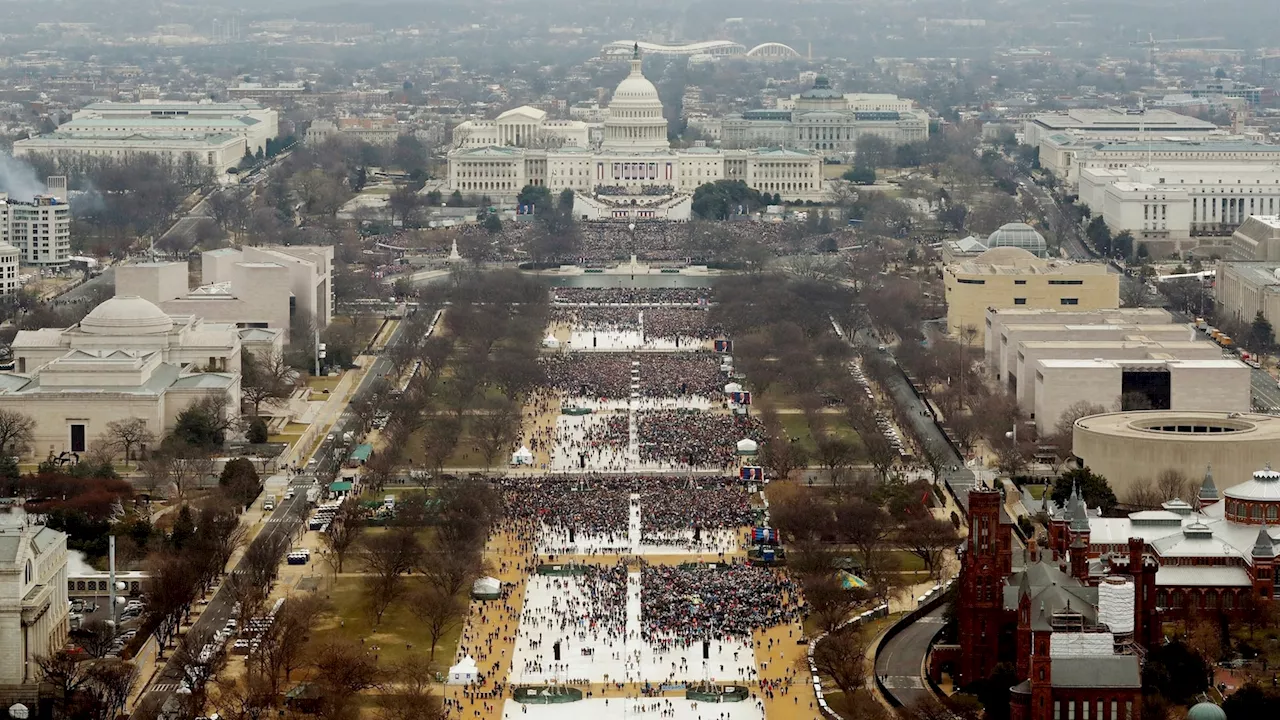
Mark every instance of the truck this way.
pixel 313 494
pixel 270 503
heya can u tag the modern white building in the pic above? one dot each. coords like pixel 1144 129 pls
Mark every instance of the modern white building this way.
pixel 254 287
pixel 39 229
pixel 1065 153
pixel 216 151
pixel 247 119
pixel 1177 205
pixel 1114 124
pixel 33 605
pixel 826 121
pixel 634 161
pixel 126 359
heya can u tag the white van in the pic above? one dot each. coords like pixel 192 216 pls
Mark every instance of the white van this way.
pixel 270 503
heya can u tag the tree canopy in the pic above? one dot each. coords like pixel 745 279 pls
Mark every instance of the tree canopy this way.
pixel 723 198
pixel 1094 488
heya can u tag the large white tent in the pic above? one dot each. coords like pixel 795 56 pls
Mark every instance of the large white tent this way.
pixel 747 446
pixel 464 672
pixel 523 456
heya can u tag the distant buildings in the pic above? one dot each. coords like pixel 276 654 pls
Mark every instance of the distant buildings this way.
pixel 634 174
pixel 826 121
pixel 1172 206
pixel 1113 124
pixel 210 135
pixel 1012 277
pixel 373 130
pixel 1244 289
pixel 39 230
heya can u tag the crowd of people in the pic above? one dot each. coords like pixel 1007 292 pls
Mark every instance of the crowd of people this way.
pixel 590 601
pixel 676 322
pixel 637 296
pixel 593 505
pixel 681 375
pixel 597 318
pixel 694 439
pixel 711 504
pixel 589 375
pixel 686 604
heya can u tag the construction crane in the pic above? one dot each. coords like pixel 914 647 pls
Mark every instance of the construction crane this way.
pixel 1154 45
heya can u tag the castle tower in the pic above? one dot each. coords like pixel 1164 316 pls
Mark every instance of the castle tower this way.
pixel 1024 627
pixel 987 561
pixel 1041 677
pixel 1264 559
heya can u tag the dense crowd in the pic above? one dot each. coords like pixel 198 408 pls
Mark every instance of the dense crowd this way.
pixel 606 242
pixel 599 506
pixel 591 600
pixel 639 296
pixel 681 375
pixel 680 323
pixel 693 439
pixel 711 505
pixel 685 604
pixel 589 375
pixel 597 318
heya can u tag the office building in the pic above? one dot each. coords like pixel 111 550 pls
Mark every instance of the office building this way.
pixel 247 119
pixel 1243 289
pixel 1011 277
pixel 1065 154
pixel 218 152
pixel 40 230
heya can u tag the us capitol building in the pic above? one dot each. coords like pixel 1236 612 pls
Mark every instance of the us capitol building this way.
pixel 633 174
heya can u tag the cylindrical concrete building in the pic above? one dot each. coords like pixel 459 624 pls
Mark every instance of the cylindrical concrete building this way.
pixel 1129 447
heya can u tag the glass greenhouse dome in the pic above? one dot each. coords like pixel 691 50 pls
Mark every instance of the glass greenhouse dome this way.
pixel 1019 235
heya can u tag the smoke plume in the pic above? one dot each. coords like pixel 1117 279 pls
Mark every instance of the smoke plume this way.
pixel 19 179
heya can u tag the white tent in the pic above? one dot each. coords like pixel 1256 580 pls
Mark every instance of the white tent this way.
pixel 464 672
pixel 486 588
pixel 747 446
pixel 733 387
pixel 522 456
pixel 550 341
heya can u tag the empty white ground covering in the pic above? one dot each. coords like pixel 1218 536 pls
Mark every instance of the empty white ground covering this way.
pixel 630 709
pixel 626 658
pixel 556 542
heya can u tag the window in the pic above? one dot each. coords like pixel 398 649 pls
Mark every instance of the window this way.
pixel 970 281
pixel 1019 282
pixel 1069 301
pixel 1019 301
pixel 1066 282
pixel 77 438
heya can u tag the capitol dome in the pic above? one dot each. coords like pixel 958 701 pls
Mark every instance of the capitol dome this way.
pixel 636 122
pixel 1019 235
pixel 126 315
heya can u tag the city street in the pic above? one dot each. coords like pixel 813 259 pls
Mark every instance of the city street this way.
pixel 900 662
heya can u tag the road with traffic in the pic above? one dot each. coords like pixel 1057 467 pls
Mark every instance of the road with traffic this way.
pixel 900 663
pixel 285 521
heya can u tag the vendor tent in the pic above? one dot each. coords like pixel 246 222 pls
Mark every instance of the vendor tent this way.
pixel 849 581
pixel 522 456
pixel 486 588
pixel 464 672
pixel 550 341
pixel 733 387
pixel 747 446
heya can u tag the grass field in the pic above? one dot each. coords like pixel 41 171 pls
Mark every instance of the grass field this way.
pixel 466 455
pixel 400 634
pixel 797 428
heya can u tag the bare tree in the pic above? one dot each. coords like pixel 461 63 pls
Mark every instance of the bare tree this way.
pixel 16 431
pixel 828 599
pixel 1065 428
pixel 281 647
pixel 109 682
pixel 928 538
pixel 64 674
pixel 342 671
pixel 130 433
pixel 242 697
pixel 841 656
pixel 440 612
pixel 96 637
pixel 387 557
pixel 1142 493
pixel 265 378
pixel 343 533
pixel 1172 484
pixel 412 698
pixel 496 430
